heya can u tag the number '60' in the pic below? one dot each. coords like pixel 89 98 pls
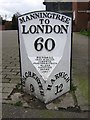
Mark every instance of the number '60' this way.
pixel 49 44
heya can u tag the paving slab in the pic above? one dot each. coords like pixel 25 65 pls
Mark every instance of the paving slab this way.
pixel 5 96
pixel 10 85
pixel 6 80
pixel 7 90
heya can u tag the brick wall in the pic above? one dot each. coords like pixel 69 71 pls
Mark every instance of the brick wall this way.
pixel 80 8
pixel 81 15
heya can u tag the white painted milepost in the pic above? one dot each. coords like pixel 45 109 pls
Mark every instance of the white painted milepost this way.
pixel 45 54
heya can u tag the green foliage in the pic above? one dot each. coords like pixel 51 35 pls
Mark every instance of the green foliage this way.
pixel 19 103
pixel 73 88
pixel 82 84
pixel 85 32
pixel 18 86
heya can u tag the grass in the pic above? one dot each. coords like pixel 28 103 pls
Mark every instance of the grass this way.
pixel 51 114
pixel 19 103
pixel 85 32
pixel 82 85
pixel 73 87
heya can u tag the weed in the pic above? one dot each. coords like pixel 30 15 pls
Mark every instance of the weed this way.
pixel 18 87
pixel 85 32
pixel 73 87
pixel 19 103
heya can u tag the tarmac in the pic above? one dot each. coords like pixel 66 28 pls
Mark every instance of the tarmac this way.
pixel 10 75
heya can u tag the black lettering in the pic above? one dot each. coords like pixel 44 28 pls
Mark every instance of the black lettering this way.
pixel 67 20
pixel 63 19
pixel 57 76
pixel 45 15
pixel 49 48
pixel 60 74
pixel 52 81
pixel 65 75
pixel 40 29
pixel 24 30
pixel 32 29
pixel 42 92
pixel 41 87
pixel 48 29
pixel 68 79
pixel 49 87
pixel 58 17
pixel 49 15
pixel 41 21
pixel 26 74
pixel 33 75
pixel 57 29
pixel 47 21
pixel 65 28
pixel 32 88
pixel 27 18
pixel 38 81
pixel 29 74
pixel 37 15
pixel 59 88
pixel 53 16
pixel 22 20
pixel 32 16
pixel 41 15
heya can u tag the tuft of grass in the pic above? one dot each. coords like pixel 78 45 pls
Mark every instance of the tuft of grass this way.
pixel 85 32
pixel 19 103
pixel 18 87
pixel 73 87
pixel 82 84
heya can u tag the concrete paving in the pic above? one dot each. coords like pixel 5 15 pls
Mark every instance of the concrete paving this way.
pixel 80 65
pixel 11 71
pixel 19 112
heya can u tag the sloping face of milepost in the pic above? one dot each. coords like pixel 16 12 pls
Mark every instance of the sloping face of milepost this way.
pixel 45 47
